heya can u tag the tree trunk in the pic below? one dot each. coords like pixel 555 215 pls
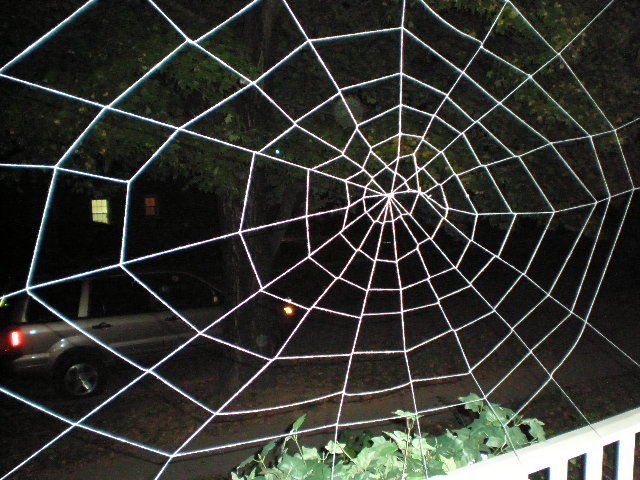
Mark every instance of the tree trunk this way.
pixel 237 267
pixel 254 326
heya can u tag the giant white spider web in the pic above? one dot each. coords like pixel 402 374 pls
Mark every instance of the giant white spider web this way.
pixel 438 225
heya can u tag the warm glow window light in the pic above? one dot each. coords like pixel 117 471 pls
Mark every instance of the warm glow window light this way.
pixel 151 206
pixel 100 210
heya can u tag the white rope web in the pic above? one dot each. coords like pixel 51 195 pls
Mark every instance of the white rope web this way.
pixel 399 214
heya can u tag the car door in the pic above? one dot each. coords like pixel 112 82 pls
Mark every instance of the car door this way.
pixel 121 313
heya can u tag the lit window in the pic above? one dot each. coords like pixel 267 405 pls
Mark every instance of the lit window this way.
pixel 100 210
pixel 151 206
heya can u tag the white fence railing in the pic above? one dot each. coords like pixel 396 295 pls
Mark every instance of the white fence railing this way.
pixel 553 455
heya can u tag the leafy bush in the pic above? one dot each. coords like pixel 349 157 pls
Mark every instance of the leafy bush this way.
pixel 398 454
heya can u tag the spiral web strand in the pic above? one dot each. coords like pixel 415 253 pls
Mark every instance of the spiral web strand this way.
pixel 390 200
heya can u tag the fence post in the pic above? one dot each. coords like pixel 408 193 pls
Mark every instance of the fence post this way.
pixel 626 454
pixel 593 464
pixel 558 470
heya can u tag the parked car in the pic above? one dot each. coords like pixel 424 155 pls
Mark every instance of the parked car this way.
pixel 116 310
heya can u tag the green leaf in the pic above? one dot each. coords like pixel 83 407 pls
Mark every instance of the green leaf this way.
pixel 364 459
pixel 245 462
pixel 472 402
pixel 496 438
pixel 405 414
pixel 384 449
pixel 267 448
pixel 399 437
pixel 334 447
pixel 535 428
pixel 294 466
pixel 310 454
pixel 298 423
pixel 449 464
pixel 518 439
pixel 499 414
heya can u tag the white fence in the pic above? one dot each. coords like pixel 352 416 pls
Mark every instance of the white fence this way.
pixel 553 455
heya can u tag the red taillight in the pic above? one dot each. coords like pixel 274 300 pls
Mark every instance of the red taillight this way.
pixel 15 338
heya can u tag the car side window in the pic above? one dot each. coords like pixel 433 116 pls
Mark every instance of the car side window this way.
pixel 113 296
pixel 63 297
pixel 183 291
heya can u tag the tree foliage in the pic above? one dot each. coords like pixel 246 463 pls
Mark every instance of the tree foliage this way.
pixel 208 107
pixel 114 43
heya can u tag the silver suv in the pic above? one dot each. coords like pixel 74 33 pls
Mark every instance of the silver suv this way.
pixel 113 308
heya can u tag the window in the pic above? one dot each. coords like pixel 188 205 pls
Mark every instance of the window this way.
pixel 63 297
pixel 182 291
pixel 100 210
pixel 113 296
pixel 151 206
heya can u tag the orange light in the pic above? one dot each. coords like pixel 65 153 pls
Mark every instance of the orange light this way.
pixel 289 310
pixel 15 338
